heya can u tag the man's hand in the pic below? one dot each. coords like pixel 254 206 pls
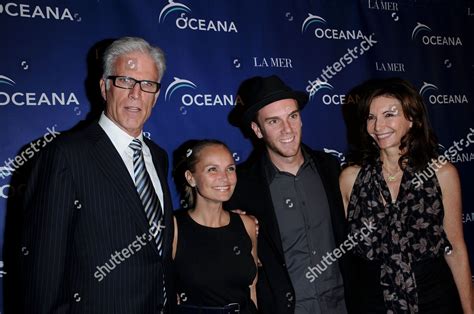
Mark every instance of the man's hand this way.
pixel 241 212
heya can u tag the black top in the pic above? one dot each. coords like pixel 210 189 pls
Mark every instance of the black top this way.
pixel 408 233
pixel 214 266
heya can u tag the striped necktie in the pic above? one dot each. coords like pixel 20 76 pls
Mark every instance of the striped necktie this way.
pixel 150 200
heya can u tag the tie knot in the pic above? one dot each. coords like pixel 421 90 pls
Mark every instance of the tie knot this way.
pixel 135 145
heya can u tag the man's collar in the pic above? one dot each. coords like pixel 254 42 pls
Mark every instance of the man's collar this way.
pixel 271 170
pixel 119 137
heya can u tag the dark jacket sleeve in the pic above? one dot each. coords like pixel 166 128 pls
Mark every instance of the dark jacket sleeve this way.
pixel 48 215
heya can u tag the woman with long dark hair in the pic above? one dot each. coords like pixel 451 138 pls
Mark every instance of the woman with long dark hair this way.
pixel 416 259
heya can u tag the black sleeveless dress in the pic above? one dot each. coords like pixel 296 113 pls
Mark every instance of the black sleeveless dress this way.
pixel 400 265
pixel 214 266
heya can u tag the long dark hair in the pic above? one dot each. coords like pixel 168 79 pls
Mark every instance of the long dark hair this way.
pixel 420 144
pixel 188 155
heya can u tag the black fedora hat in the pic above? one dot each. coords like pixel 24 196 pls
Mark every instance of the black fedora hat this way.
pixel 257 92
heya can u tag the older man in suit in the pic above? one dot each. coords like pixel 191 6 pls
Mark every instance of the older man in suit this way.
pixel 98 228
pixel 294 193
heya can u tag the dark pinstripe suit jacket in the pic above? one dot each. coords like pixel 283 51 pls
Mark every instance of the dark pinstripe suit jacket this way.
pixel 84 222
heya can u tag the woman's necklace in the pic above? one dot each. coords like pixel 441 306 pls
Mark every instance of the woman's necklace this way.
pixel 391 177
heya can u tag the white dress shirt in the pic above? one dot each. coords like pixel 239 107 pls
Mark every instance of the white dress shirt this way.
pixel 121 140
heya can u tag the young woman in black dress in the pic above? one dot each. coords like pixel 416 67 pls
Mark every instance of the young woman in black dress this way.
pixel 214 250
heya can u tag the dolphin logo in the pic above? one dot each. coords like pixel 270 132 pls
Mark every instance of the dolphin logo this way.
pixel 316 86
pixel 426 87
pixel 335 153
pixel 171 7
pixel 418 28
pixel 310 20
pixel 178 83
pixel 6 80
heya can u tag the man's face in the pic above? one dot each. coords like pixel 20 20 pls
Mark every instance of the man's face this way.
pixel 279 125
pixel 130 108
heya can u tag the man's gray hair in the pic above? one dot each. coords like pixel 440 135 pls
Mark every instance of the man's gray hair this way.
pixel 127 45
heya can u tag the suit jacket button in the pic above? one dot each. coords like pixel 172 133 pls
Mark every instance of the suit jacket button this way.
pixel 289 296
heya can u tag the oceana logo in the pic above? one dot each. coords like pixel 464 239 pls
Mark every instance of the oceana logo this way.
pixel 21 98
pixel 38 12
pixel 428 90
pixel 339 99
pixel 433 40
pixel 329 33
pixel 196 98
pixel 195 24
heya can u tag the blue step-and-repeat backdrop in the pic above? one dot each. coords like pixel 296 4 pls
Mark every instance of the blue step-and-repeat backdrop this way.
pixel 49 75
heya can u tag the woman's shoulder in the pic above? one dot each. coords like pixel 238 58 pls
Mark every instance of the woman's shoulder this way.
pixel 347 180
pixel 446 172
pixel 248 222
pixel 351 171
pixel 349 174
pixel 180 214
pixel 445 168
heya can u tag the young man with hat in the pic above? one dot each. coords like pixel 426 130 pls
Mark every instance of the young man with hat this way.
pixel 294 193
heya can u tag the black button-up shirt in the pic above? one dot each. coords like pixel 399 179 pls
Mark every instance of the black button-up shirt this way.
pixel 304 220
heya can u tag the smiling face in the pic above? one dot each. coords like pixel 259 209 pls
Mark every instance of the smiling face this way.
pixel 214 175
pixel 130 108
pixel 386 123
pixel 279 125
